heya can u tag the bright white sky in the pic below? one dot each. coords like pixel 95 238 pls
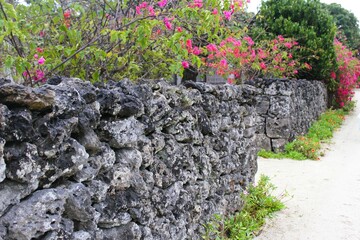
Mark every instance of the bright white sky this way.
pixel 351 5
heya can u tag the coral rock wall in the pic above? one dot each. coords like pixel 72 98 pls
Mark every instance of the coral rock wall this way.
pixel 146 161
pixel 124 161
pixel 286 109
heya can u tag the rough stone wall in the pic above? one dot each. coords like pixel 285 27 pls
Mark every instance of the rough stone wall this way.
pixel 146 161
pixel 286 109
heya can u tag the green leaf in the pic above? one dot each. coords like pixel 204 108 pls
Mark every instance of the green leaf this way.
pixel 69 51
pixel 96 76
pixel 196 60
pixel 56 19
pixel 59 47
pixel 113 36
pixel 61 38
pixel 9 62
pixel 9 10
pixel 63 28
pixel 123 36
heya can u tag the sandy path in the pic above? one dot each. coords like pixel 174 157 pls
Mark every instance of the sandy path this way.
pixel 326 193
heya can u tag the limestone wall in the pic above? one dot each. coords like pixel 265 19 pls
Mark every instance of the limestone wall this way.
pixel 146 161
pixel 286 109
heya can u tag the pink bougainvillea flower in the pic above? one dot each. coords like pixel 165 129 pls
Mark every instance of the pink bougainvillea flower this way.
pixel 290 56
pixel 25 74
pixel 333 75
pixel 288 45
pixel 261 54
pixel 143 5
pixel 295 71
pixel 281 38
pixel 189 45
pixel 223 63
pixel 138 10
pixel 162 3
pixel 42 33
pixel 196 51
pixel 253 54
pixel 239 3
pixel 263 65
pixel 67 23
pixel 215 11
pixel 185 64
pixel 151 11
pixel 196 4
pixel 292 63
pixel 230 81
pixel 307 66
pixel 41 60
pixel 230 39
pixel 179 29
pixel 40 74
pixel 36 56
pixel 227 15
pixel 211 47
pixel 236 43
pixel 167 23
pixel 39 50
pixel 249 41
pixel 67 14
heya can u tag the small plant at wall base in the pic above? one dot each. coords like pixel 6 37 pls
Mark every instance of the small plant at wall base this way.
pixel 308 146
pixel 259 203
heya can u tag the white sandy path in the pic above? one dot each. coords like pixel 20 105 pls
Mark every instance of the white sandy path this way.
pixel 326 193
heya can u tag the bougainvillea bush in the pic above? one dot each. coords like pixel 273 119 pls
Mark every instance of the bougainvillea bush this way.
pixel 101 40
pixel 347 75
pixel 311 25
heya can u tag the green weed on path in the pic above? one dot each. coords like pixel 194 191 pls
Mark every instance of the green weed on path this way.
pixel 259 203
pixel 308 146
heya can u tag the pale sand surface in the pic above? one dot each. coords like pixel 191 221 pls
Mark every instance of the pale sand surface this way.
pixel 325 202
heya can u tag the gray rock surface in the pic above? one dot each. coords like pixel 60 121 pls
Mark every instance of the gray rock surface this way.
pixel 2 162
pixel 35 216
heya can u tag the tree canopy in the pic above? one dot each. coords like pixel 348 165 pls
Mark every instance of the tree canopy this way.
pixel 347 24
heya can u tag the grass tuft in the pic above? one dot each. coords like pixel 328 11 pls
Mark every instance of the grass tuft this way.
pixel 259 203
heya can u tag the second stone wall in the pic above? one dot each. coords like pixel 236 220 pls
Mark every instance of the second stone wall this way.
pixel 286 109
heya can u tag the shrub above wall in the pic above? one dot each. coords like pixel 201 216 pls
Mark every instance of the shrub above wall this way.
pixel 311 25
